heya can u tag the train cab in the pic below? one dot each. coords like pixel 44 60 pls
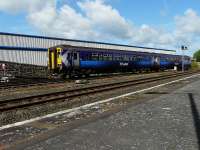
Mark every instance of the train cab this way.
pixel 63 59
pixel 54 59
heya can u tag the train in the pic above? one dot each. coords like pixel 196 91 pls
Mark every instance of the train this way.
pixel 67 60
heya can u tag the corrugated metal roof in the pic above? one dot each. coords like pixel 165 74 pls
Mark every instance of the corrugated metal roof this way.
pixel 81 41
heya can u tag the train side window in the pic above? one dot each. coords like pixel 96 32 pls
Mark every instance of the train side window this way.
pixel 138 58
pixel 95 56
pixel 104 57
pixel 114 57
pixel 110 57
pixel 131 58
pixel 118 57
pixel 90 56
pixel 69 55
pixel 124 57
pixel 107 57
pixel 100 57
pixel 75 56
pixel 87 57
pixel 58 54
pixel 121 58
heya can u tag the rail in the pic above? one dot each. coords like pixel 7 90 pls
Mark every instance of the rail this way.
pixel 11 104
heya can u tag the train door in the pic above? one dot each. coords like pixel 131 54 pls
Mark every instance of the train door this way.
pixel 76 59
pixel 69 60
pixel 59 58
pixel 52 59
pixel 156 60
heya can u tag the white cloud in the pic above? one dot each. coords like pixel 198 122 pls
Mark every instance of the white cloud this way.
pixel 72 24
pixel 149 35
pixel 188 23
pixel 186 32
pixel 44 18
pixel 187 29
pixel 15 6
pixel 106 19
pixel 65 22
pixel 97 21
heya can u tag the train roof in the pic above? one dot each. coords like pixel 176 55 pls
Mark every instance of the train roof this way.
pixel 105 50
pixel 94 44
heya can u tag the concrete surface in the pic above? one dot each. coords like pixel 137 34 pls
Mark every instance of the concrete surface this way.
pixel 170 122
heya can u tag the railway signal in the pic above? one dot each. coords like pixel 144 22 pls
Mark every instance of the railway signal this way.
pixel 183 48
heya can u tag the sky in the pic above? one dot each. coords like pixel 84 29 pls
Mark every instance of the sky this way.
pixel 154 23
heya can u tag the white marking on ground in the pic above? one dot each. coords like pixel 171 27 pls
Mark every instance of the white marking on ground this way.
pixel 167 108
pixel 91 104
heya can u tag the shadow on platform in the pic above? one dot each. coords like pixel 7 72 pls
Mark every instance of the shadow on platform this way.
pixel 196 118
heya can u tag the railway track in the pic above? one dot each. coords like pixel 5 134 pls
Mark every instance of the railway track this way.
pixel 29 82
pixel 12 104
pixel 21 82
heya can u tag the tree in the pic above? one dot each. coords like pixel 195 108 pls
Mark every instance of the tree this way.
pixel 197 55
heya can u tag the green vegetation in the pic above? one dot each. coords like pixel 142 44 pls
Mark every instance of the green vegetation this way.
pixel 195 65
pixel 196 61
pixel 197 55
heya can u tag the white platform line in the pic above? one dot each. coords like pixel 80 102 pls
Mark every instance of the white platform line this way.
pixel 91 104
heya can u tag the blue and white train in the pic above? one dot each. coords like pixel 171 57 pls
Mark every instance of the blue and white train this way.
pixel 72 60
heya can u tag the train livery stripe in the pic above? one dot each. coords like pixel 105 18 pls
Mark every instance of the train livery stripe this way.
pixel 22 48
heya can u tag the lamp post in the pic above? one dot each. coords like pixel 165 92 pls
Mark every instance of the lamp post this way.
pixel 183 48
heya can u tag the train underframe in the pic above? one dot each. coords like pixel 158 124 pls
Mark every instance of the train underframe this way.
pixel 80 72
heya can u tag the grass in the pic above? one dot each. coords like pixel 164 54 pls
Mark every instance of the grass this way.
pixel 195 65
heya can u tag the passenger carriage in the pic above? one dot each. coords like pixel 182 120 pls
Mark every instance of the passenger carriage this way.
pixel 72 60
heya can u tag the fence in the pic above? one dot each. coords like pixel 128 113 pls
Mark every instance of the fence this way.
pixel 22 70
